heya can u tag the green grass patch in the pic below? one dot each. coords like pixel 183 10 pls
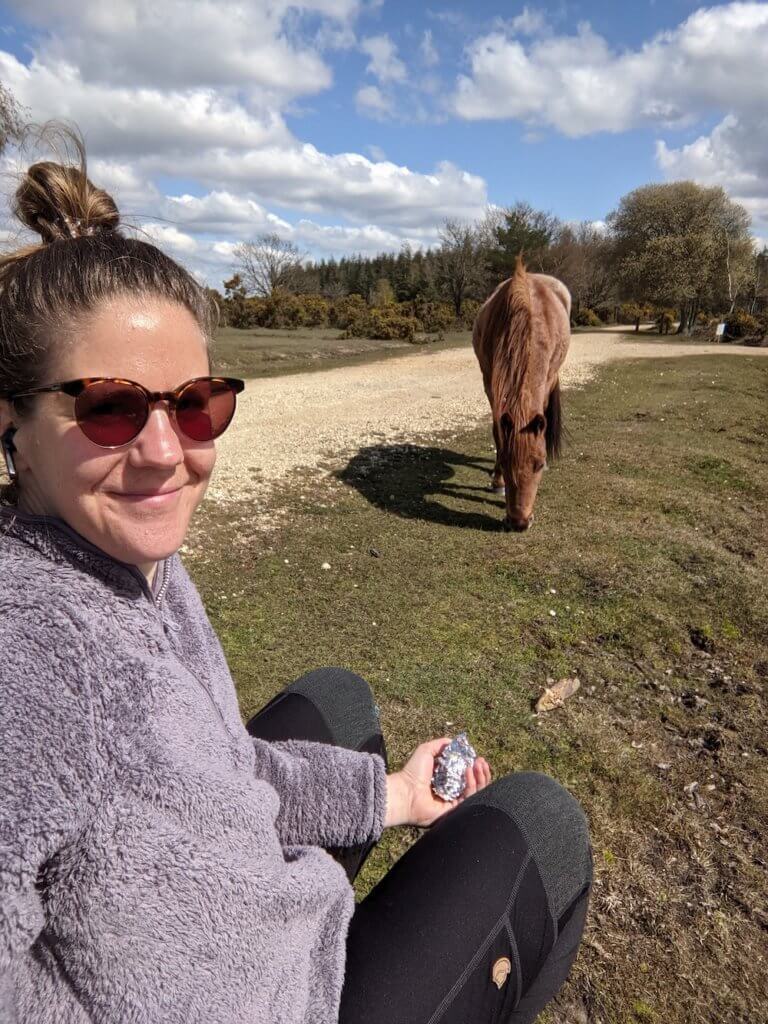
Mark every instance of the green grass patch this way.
pixel 262 352
pixel 650 548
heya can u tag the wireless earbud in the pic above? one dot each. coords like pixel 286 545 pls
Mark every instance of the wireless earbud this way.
pixel 6 441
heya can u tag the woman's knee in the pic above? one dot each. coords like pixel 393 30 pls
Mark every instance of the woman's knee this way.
pixel 554 827
pixel 344 700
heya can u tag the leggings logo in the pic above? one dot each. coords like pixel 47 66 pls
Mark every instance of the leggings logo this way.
pixel 500 972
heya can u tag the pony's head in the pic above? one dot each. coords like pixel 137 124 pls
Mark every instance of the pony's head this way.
pixel 524 455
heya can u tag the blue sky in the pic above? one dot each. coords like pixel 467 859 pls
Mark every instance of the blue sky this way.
pixel 357 125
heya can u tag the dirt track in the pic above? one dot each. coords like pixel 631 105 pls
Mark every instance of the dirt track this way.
pixel 303 420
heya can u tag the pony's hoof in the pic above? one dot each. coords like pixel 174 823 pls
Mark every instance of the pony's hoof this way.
pixel 498 490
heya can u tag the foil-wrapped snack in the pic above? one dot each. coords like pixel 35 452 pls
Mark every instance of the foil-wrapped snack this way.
pixel 449 778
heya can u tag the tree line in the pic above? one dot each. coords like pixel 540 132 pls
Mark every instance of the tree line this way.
pixel 672 253
pixel 676 252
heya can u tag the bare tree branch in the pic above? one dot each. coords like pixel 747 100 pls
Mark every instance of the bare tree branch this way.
pixel 268 264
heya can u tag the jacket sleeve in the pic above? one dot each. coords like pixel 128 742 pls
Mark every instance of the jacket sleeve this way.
pixel 48 778
pixel 329 796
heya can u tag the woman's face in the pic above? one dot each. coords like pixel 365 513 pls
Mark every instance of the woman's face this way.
pixel 133 502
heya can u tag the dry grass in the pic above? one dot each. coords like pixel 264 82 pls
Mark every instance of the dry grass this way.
pixel 650 547
pixel 266 353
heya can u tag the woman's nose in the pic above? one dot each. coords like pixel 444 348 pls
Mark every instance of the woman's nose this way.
pixel 158 444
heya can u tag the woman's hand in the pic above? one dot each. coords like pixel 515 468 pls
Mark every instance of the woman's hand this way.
pixel 410 800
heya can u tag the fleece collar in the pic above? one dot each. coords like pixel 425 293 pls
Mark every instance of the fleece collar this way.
pixel 56 540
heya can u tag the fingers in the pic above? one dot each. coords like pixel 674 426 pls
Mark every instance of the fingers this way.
pixel 435 747
pixel 477 777
pixel 482 772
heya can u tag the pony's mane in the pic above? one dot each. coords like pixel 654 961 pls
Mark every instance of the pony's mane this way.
pixel 508 343
pixel 509 325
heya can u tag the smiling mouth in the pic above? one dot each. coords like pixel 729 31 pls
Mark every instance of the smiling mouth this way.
pixel 157 497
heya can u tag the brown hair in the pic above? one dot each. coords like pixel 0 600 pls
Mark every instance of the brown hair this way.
pixel 82 261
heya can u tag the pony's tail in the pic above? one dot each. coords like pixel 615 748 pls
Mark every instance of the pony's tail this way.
pixel 510 324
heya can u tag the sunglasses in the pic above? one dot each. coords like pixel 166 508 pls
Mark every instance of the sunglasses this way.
pixel 112 412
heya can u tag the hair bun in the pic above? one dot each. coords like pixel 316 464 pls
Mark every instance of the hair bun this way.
pixel 60 202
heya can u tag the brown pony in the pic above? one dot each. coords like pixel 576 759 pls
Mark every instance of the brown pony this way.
pixel 521 338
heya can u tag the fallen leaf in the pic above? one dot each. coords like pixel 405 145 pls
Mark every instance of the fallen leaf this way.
pixel 555 696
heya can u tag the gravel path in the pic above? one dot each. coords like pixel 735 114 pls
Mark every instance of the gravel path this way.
pixel 309 419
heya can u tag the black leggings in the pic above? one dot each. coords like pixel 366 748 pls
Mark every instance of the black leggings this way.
pixel 480 921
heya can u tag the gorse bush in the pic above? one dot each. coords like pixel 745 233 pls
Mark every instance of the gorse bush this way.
pixel 385 324
pixel 349 309
pixel 739 324
pixel 432 317
pixel 586 317
pixel 664 320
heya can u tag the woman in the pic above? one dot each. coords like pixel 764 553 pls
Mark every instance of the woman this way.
pixel 159 862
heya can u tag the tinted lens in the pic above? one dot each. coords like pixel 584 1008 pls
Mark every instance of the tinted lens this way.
pixel 110 413
pixel 205 409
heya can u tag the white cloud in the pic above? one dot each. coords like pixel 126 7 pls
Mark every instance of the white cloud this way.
pixel 372 102
pixel 529 23
pixel 127 121
pixel 368 238
pixel 164 93
pixel 179 44
pixel 350 184
pixel 710 64
pixel 734 155
pixel 579 86
pixel 384 63
pixel 429 53
pixel 376 152
pixel 223 213
pixel 165 236
pixel 209 136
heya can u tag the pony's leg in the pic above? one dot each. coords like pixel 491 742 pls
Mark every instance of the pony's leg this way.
pixel 497 478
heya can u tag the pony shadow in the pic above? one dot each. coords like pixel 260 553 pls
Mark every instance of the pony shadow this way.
pixel 409 480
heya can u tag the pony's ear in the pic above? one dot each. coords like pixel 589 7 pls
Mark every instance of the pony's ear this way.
pixel 507 425
pixel 536 426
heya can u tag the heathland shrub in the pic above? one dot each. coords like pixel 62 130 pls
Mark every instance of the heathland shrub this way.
pixel 586 317
pixel 349 309
pixel 740 324
pixel 469 310
pixel 432 317
pixel 315 310
pixel 386 324
pixel 664 320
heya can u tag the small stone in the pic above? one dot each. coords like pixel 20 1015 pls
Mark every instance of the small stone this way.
pixel 553 613
pixel 663 766
pixel 374 552
pixel 326 565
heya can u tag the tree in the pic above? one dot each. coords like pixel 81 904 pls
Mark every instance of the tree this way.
pixel 527 231
pixel 460 262
pixel 757 285
pixel 383 293
pixel 676 245
pixel 268 264
pixel 11 123
pixel 580 256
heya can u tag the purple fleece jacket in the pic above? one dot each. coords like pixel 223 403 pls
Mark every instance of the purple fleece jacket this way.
pixel 157 864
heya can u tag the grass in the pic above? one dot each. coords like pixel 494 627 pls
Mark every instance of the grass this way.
pixel 263 353
pixel 650 547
